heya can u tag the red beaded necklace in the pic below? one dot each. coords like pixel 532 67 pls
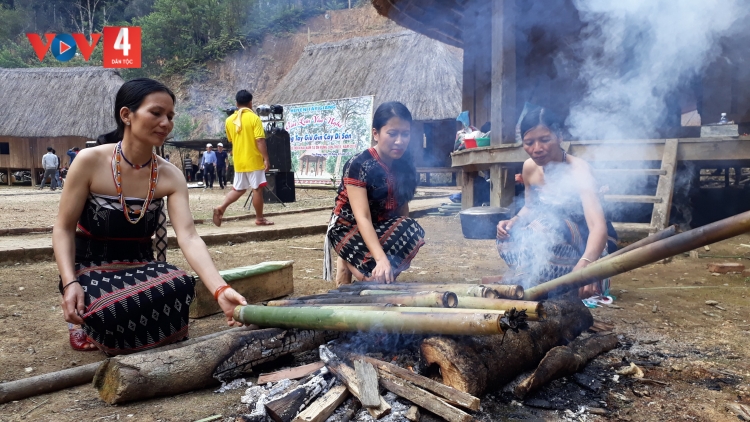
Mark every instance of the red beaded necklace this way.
pixel 117 175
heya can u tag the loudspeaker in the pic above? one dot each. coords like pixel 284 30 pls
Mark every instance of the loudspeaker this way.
pixel 282 184
pixel 279 150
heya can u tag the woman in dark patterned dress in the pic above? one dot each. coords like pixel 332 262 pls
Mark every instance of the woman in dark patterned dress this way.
pixel 124 299
pixel 561 228
pixel 370 227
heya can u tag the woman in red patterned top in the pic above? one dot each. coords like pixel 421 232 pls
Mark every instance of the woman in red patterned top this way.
pixel 370 229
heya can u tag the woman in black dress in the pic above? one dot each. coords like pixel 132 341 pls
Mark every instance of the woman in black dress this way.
pixel 124 299
pixel 370 227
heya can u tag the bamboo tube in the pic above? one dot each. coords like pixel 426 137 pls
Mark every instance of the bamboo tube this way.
pixel 473 291
pixel 663 234
pixel 379 321
pixel 409 310
pixel 665 248
pixel 507 291
pixel 424 299
pixel 502 305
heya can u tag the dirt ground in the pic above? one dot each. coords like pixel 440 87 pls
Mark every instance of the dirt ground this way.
pixel 701 350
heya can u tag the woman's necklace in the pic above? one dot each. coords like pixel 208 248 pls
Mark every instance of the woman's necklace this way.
pixel 135 166
pixel 117 174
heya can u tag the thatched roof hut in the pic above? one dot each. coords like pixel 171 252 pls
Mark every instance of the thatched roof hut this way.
pixel 422 73
pixel 53 102
pixel 53 107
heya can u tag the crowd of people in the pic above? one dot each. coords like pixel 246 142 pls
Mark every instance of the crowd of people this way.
pixel 120 295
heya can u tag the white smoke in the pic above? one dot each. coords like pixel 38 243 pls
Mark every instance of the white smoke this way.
pixel 638 52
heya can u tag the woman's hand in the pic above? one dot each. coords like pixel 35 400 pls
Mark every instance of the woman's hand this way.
pixel 73 304
pixel 589 290
pixel 503 228
pixel 228 300
pixel 382 272
pixel 581 265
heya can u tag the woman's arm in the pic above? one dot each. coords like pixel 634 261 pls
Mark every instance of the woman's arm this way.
pixel 503 227
pixel 194 248
pixel 594 214
pixel 72 201
pixel 361 209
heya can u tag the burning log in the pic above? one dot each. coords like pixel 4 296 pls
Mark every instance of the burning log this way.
pixel 475 364
pixel 474 290
pixel 160 373
pixel 662 234
pixel 665 248
pixel 359 320
pixel 448 394
pixel 324 407
pixel 286 407
pixel 424 299
pixel 348 376
pixel 562 361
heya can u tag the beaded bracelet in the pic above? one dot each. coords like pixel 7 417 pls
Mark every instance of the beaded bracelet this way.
pixel 220 290
pixel 66 286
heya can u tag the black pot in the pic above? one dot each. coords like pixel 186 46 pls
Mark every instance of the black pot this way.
pixel 481 222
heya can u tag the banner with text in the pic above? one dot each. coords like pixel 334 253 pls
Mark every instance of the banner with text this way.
pixel 325 134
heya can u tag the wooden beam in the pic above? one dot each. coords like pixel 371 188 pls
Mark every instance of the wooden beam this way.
pixel 324 407
pixel 467 189
pixel 503 72
pixel 502 186
pixel 665 186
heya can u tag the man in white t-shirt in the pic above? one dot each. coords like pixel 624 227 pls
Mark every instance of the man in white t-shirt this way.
pixel 50 163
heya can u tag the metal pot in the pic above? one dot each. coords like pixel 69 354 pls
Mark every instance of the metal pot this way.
pixel 481 222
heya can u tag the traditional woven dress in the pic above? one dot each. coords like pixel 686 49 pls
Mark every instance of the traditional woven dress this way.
pixel 132 302
pixel 401 237
pixel 549 241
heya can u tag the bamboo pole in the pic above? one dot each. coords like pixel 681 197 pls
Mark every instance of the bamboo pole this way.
pixel 424 299
pixel 531 308
pixel 665 248
pixel 474 291
pixel 461 289
pixel 663 234
pixel 410 310
pixel 379 321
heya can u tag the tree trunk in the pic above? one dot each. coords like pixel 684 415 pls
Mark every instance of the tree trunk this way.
pixel 475 364
pixel 136 377
pixel 566 360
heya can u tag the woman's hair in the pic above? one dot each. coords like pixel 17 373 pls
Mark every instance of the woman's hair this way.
pixel 540 116
pixel 403 168
pixel 131 95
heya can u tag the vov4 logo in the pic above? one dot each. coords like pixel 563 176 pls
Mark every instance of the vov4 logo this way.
pixel 122 46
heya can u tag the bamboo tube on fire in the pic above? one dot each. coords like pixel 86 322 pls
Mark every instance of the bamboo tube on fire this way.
pixel 378 321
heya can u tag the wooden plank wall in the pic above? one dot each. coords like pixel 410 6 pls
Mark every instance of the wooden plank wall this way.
pixel 26 153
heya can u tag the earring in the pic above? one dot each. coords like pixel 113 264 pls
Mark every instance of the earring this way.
pixel 127 123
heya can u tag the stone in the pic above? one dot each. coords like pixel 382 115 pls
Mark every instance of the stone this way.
pixel 726 267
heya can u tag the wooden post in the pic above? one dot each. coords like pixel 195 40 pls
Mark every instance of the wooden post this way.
pixel 737 175
pixel 9 176
pixel 33 178
pixel 467 189
pixel 665 186
pixel 502 186
pixel 503 72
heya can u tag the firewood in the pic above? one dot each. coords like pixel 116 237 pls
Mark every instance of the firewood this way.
pixel 291 373
pixel 448 394
pixel 324 407
pixel 160 373
pixel 351 410
pixel 474 364
pixel 423 398
pixel 565 360
pixel 367 381
pixel 413 414
pixel 348 376
pixel 288 405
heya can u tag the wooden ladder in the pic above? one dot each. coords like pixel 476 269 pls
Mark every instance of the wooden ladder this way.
pixel 662 199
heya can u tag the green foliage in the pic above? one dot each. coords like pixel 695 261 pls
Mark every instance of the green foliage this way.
pixel 184 127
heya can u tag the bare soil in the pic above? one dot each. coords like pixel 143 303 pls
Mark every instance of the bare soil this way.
pixel 701 350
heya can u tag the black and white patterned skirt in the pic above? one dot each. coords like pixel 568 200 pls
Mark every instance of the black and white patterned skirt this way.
pixel 400 237
pixel 134 305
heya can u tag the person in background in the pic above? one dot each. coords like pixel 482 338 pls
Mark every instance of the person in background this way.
pixel 561 227
pixel 72 155
pixel 187 168
pixel 245 132
pixel 124 298
pixel 370 228
pixel 222 165
pixel 208 166
pixel 57 173
pixel 194 170
pixel 50 163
